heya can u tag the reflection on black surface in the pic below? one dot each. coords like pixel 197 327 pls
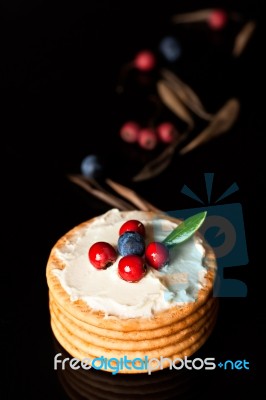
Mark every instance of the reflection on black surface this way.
pixel 93 384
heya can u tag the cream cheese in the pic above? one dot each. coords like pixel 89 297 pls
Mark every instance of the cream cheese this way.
pixel 104 290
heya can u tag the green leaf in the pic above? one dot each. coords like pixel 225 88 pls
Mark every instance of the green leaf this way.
pixel 185 229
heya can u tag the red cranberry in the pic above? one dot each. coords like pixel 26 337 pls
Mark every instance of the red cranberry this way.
pixel 133 225
pixel 157 255
pixel 131 268
pixel 102 255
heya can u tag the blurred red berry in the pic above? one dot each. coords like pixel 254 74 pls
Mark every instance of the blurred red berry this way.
pixel 129 132
pixel 145 60
pixel 147 139
pixel 166 132
pixel 217 19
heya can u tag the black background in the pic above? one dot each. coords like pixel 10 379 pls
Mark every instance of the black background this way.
pixel 59 68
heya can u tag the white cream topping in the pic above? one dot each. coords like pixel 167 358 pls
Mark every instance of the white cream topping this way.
pixel 104 290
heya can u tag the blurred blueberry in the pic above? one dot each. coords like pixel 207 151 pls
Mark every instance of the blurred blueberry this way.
pixel 131 243
pixel 91 166
pixel 170 48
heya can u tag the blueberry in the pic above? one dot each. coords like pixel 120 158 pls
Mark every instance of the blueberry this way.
pixel 91 166
pixel 131 243
pixel 170 48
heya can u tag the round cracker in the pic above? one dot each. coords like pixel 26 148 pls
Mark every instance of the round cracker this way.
pixel 80 310
pixel 81 350
pixel 85 334
pixel 174 333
